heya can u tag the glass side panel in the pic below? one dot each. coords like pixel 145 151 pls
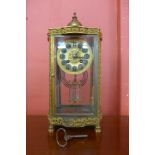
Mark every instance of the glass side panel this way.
pixel 76 56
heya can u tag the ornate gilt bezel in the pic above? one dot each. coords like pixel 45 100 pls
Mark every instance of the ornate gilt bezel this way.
pixel 82 54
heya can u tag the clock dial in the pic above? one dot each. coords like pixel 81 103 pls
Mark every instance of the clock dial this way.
pixel 75 57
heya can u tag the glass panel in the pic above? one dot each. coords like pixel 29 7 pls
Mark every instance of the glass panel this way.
pixel 74 63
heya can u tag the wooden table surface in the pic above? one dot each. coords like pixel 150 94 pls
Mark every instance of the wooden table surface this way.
pixel 113 140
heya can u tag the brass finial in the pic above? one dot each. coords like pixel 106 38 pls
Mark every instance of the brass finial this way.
pixel 74 22
pixel 74 15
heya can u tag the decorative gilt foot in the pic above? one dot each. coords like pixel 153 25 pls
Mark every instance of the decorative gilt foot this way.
pixel 50 128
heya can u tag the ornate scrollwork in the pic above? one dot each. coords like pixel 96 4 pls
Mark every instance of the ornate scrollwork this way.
pixel 74 122
pixel 67 30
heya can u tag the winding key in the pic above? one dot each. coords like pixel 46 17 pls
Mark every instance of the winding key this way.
pixel 66 137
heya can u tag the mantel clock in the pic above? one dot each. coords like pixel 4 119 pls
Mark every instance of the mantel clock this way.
pixel 75 75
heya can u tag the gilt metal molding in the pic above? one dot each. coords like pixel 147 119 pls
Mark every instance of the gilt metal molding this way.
pixel 74 122
pixel 68 30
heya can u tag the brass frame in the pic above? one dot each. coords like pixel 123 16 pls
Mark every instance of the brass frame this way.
pixel 73 121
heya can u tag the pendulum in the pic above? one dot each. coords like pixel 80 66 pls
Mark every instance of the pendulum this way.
pixel 74 90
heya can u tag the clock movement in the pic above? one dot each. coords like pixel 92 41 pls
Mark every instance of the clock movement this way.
pixel 75 76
